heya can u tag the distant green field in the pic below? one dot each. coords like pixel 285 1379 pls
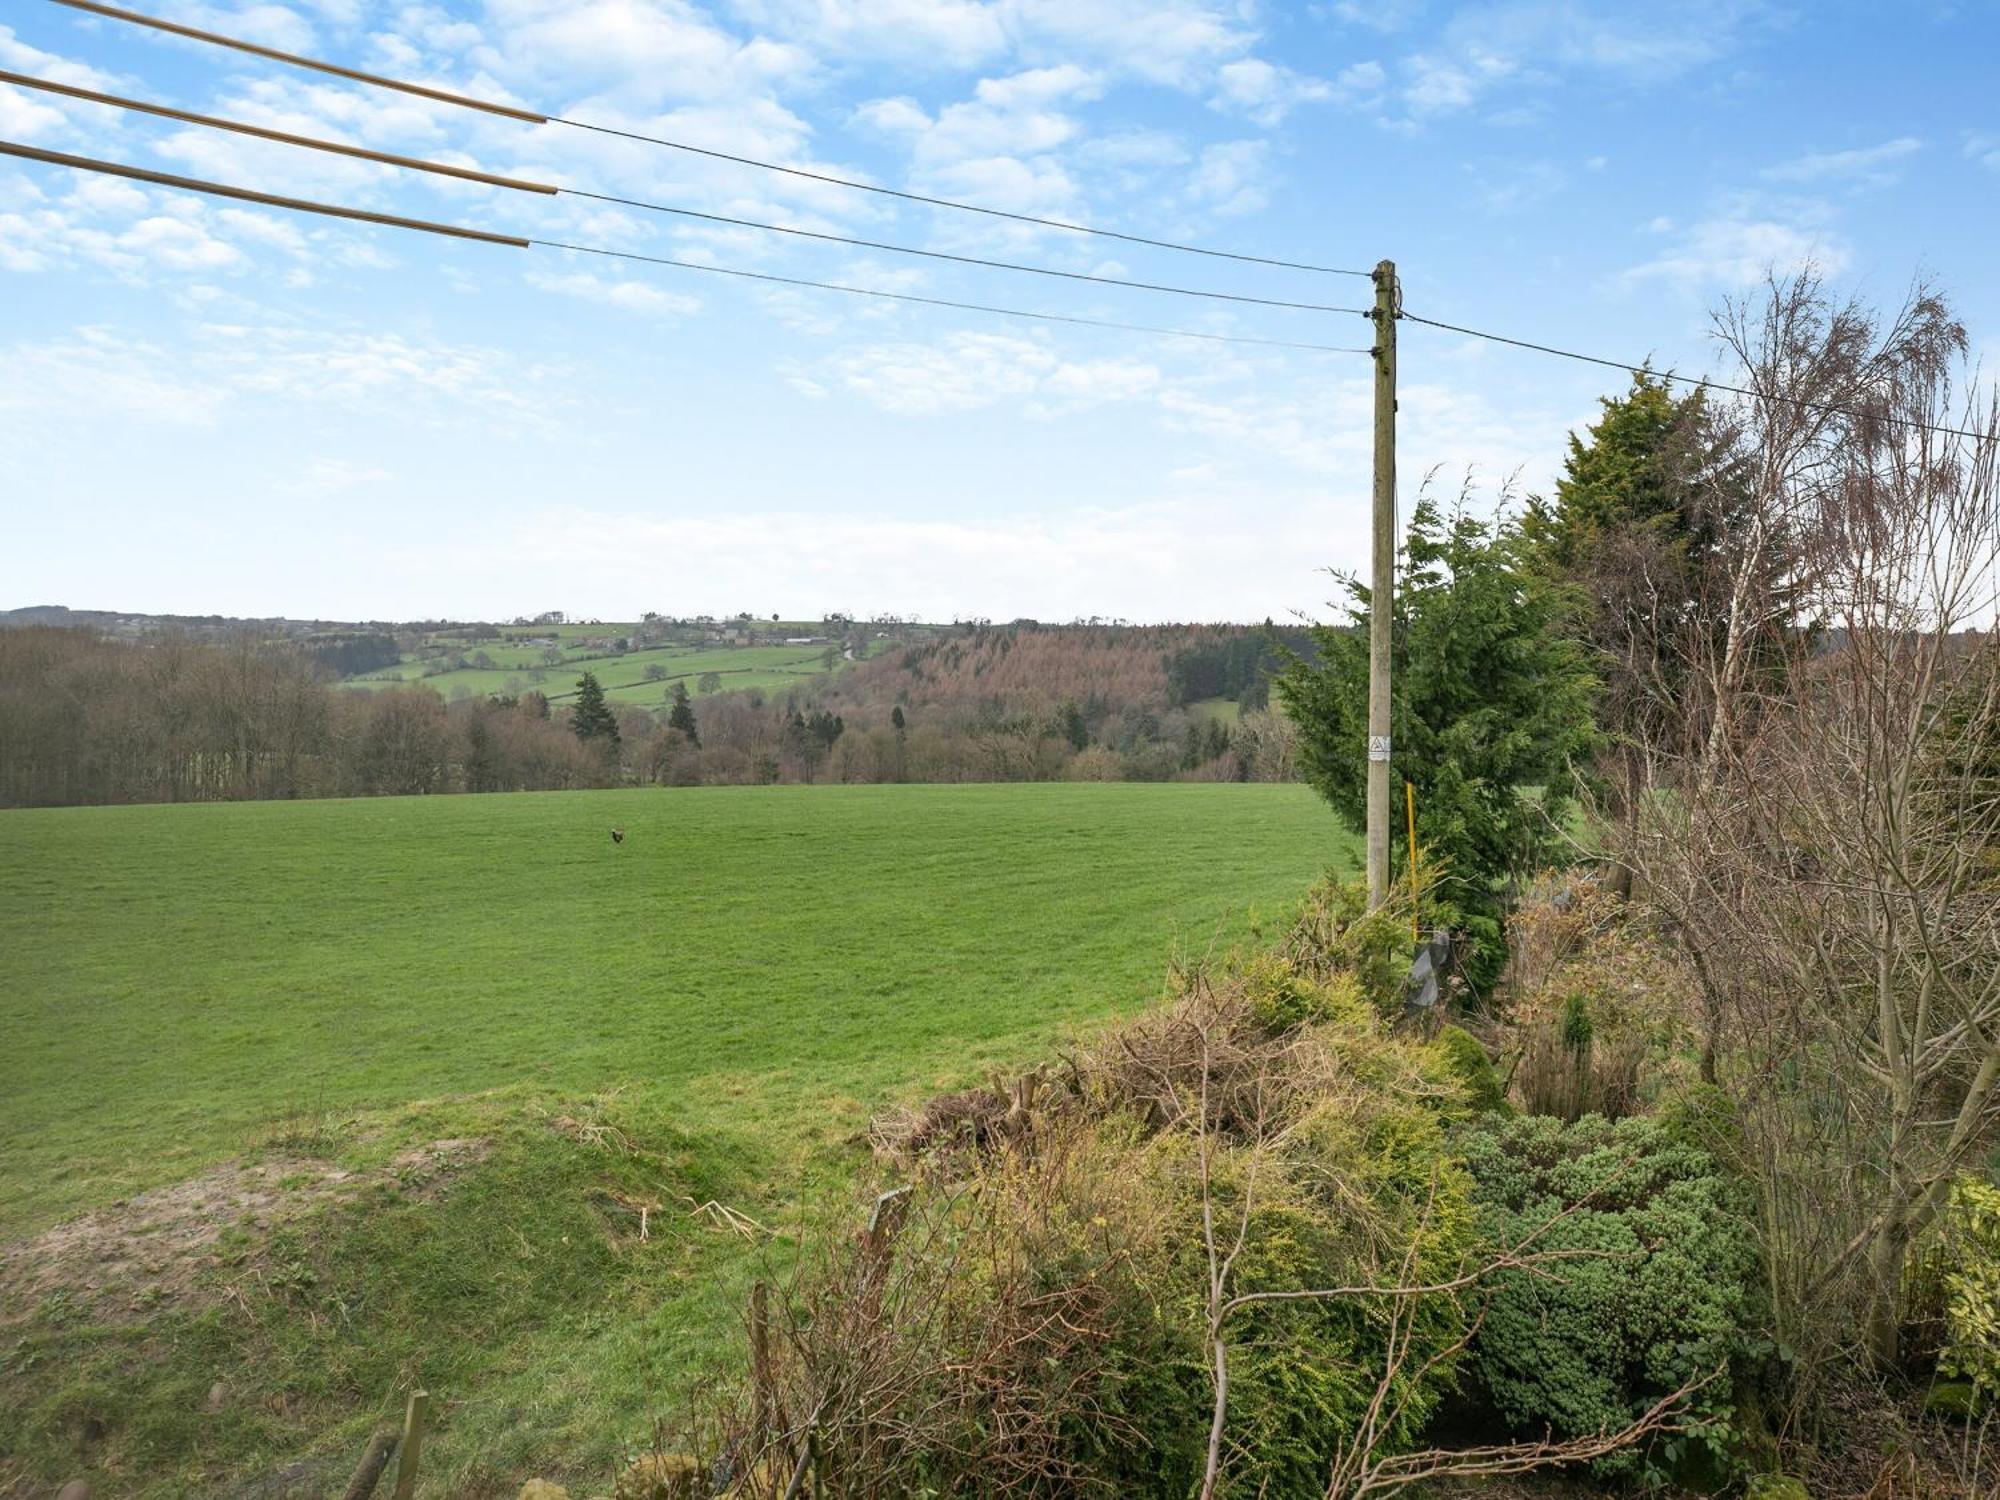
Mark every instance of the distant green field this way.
pixel 520 669
pixel 736 988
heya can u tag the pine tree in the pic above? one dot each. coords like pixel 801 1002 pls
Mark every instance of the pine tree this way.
pixel 681 715
pixel 592 719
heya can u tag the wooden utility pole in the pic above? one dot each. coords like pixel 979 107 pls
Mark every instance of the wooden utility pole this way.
pixel 1382 582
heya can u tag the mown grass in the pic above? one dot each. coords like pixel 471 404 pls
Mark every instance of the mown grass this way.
pixel 736 988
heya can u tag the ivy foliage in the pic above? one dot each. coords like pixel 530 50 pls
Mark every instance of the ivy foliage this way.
pixel 1957 1278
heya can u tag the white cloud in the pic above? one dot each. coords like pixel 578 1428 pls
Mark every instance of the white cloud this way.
pixel 1871 166
pixel 1230 178
pixel 1039 86
pixel 105 374
pixel 1738 246
pixel 1360 83
pixel 24 117
pixel 18 57
pixel 1156 560
pixel 629 53
pixel 1019 115
pixel 916 380
pixel 1377 15
pixel 1174 42
pixel 1984 149
pixel 627 296
pixel 214 369
pixel 1542 40
pixel 1178 43
pixel 325 476
pixel 176 244
pixel 1264 91
pixel 1435 85
pixel 1510 187
pixel 137 233
pixel 1311 424
pixel 893 116
pixel 953 33
pixel 254 21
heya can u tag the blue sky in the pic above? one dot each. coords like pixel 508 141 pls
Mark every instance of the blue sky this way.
pixel 206 407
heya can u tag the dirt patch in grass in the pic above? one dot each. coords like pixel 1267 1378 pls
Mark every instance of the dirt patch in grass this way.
pixel 153 1250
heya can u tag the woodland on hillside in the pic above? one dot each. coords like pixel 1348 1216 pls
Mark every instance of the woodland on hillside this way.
pixel 86 717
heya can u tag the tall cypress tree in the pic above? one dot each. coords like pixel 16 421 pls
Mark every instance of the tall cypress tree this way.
pixel 1492 697
pixel 592 719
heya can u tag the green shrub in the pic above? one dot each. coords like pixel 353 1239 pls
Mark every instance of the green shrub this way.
pixel 1046 1309
pixel 1350 1182
pixel 1472 1066
pixel 1334 932
pixel 1281 997
pixel 1956 1280
pixel 1662 1295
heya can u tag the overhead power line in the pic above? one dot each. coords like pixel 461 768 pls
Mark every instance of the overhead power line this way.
pixel 239 127
pixel 441 96
pixel 455 231
pixel 445 96
pixel 965 260
pixel 1634 366
pixel 1005 312
pixel 418 164
pixel 970 208
pixel 252 195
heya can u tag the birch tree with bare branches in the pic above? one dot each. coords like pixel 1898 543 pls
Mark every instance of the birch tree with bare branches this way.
pixel 1824 845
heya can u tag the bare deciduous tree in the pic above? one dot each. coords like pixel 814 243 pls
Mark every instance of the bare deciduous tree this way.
pixel 1824 846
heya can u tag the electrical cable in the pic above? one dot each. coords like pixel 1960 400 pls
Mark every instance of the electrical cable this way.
pixel 1005 312
pixel 364 153
pixel 532 117
pixel 252 195
pixel 966 260
pixel 312 143
pixel 440 96
pixel 1634 366
pixel 303 205
pixel 971 208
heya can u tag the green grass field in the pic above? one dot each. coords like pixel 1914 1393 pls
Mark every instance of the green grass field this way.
pixel 623 677
pixel 738 987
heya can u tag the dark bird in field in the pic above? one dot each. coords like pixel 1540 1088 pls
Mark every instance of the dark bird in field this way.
pixel 617 835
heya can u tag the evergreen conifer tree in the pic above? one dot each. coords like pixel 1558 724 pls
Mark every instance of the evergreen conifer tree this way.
pixel 592 720
pixel 681 715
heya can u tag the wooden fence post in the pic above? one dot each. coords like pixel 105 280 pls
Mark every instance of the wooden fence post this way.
pixel 409 1452
pixel 373 1462
pixel 762 1398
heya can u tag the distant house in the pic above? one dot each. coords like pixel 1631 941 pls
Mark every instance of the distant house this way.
pixel 805 640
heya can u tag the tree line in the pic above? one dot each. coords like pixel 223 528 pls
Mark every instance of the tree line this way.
pixel 85 718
